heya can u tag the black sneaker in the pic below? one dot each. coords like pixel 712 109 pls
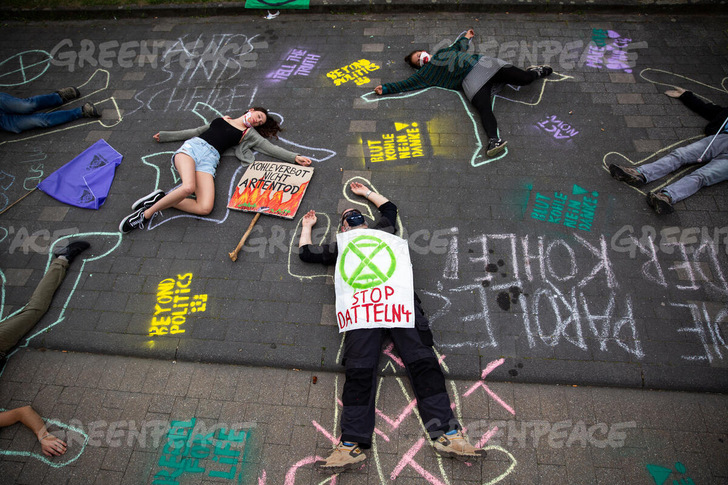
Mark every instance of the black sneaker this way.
pixel 495 146
pixel 135 220
pixel 660 202
pixel 627 174
pixel 148 200
pixel 542 71
pixel 72 250
pixel 89 111
pixel 69 94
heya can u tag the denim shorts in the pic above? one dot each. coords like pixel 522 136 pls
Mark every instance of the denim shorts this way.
pixel 205 155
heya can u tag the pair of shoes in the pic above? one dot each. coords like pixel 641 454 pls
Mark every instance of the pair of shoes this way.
pixel 69 94
pixel 495 146
pixel 135 220
pixel 342 458
pixel 542 71
pixel 88 110
pixel 660 202
pixel 457 446
pixel 627 174
pixel 72 250
pixel 148 200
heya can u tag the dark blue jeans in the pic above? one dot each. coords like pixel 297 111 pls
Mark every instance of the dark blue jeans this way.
pixel 18 115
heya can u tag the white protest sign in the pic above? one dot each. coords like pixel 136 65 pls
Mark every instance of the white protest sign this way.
pixel 373 280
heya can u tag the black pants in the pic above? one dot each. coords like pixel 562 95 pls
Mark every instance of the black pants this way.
pixel 483 103
pixel 362 349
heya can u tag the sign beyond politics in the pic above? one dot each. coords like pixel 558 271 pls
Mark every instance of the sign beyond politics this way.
pixel 274 188
pixel 373 280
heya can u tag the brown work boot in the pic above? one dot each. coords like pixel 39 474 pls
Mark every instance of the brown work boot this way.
pixel 88 110
pixel 342 458
pixel 627 174
pixel 69 94
pixel 457 446
pixel 660 202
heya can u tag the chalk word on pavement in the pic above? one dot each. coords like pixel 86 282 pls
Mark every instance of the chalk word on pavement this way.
pixel 405 143
pixel 220 454
pixel 575 212
pixel 356 71
pixel 609 50
pixel 174 304
pixel 559 129
pixel 561 272
pixel 299 62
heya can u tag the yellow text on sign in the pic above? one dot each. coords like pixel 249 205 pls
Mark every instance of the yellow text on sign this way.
pixel 174 303
pixel 356 71
pixel 404 144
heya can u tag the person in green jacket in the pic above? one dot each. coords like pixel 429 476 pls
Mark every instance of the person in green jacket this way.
pixel 477 75
pixel 196 162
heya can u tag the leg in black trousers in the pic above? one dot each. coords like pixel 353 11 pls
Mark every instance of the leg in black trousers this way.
pixel 482 99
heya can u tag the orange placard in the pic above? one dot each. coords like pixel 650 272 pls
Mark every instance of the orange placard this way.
pixel 274 188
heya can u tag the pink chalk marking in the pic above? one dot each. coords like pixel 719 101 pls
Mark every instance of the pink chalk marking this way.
pixel 499 400
pixel 408 459
pixel 262 479
pixel 324 432
pixel 488 369
pixel 291 474
pixel 380 433
pixel 491 365
pixel 338 401
pixel 488 435
pixel 441 359
pixel 388 353
pixel 395 423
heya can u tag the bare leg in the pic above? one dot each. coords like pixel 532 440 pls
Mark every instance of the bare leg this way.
pixel 205 196
pixel 186 167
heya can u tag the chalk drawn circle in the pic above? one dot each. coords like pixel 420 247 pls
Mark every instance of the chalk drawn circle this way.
pixel 24 67
pixel 366 262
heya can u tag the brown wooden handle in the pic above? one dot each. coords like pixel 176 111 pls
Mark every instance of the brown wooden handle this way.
pixel 234 254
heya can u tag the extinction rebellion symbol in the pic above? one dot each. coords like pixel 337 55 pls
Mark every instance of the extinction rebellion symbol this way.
pixel 372 259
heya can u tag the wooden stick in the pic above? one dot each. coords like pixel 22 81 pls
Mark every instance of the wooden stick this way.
pixel 234 254
pixel 23 197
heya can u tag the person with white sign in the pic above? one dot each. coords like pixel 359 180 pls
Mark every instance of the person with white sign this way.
pixel 375 298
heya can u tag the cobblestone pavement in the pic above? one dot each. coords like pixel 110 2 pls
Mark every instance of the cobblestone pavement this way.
pixel 260 425
pixel 536 260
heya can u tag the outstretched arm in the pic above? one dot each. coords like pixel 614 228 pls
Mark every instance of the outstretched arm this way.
pixel 307 223
pixel 364 191
pixel 706 110
pixel 50 445
pixel 412 83
pixel 164 136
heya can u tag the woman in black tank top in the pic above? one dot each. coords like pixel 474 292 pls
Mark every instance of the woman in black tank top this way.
pixel 196 162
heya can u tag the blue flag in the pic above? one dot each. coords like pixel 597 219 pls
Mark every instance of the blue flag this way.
pixel 84 181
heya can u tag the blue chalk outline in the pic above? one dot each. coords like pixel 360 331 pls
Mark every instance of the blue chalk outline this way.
pixel 51 256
